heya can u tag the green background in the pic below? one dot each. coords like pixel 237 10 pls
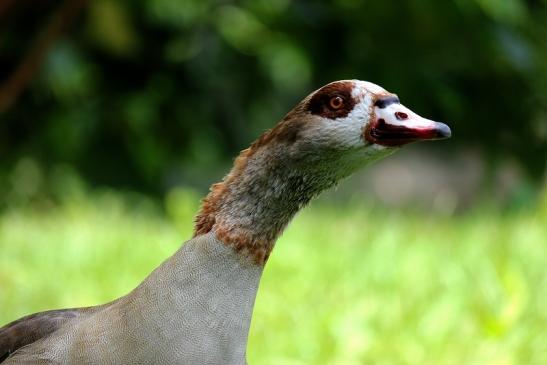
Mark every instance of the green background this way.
pixel 116 116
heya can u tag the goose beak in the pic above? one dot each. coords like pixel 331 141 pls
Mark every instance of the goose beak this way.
pixel 397 135
pixel 395 125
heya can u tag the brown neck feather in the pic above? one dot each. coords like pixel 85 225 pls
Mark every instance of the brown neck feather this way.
pixel 249 209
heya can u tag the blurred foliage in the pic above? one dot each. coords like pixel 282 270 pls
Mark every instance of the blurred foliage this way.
pixel 396 288
pixel 146 94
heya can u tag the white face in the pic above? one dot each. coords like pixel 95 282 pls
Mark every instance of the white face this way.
pixel 353 114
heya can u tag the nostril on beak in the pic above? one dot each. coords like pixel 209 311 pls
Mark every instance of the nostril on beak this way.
pixel 401 116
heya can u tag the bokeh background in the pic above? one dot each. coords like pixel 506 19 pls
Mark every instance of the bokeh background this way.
pixel 116 116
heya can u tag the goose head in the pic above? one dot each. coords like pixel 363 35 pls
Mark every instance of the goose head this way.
pixel 351 122
pixel 354 113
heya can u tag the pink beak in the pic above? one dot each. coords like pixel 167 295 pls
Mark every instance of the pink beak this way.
pixel 396 125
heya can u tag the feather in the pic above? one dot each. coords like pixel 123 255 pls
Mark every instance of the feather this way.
pixel 32 328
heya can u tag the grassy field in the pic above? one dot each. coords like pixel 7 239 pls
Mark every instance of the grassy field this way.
pixel 345 285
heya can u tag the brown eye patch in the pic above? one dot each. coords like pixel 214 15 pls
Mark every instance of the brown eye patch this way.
pixel 333 101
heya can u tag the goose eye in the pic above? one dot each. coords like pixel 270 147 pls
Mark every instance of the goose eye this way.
pixel 336 102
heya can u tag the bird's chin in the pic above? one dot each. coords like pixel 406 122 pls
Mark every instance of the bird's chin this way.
pixel 398 135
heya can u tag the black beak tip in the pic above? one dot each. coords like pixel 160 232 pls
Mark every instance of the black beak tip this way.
pixel 443 131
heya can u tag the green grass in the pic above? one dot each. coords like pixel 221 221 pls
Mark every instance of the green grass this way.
pixel 345 285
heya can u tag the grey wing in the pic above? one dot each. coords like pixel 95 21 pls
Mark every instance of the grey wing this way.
pixel 32 328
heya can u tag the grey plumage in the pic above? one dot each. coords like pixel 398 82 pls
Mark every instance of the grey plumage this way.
pixel 31 328
pixel 193 309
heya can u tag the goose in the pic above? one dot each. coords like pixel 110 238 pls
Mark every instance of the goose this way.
pixel 196 307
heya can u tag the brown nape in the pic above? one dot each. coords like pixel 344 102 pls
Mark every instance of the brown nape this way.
pixel 286 131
